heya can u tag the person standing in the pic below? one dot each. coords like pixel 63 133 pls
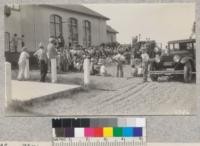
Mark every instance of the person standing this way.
pixel 22 41
pixel 61 42
pixel 119 59
pixel 14 43
pixel 22 63
pixel 41 53
pixel 145 63
pixel 52 54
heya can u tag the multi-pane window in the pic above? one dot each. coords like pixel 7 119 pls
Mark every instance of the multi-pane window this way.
pixel 7 41
pixel 55 25
pixel 15 7
pixel 87 33
pixel 73 31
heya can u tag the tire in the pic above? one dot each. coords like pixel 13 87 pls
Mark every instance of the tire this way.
pixel 187 72
pixel 153 76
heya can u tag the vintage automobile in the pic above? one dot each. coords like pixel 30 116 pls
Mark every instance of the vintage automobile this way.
pixel 179 61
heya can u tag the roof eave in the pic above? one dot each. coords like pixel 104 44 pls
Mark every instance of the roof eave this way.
pixel 64 9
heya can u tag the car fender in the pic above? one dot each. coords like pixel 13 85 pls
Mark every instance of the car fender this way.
pixel 186 59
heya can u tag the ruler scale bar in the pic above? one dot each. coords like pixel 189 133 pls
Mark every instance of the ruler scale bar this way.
pixel 99 132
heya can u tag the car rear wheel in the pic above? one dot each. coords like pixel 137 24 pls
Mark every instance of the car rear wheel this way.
pixel 187 72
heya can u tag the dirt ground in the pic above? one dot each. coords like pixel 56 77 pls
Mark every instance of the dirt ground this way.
pixel 117 96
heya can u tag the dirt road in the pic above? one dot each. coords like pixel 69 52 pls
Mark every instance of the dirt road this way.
pixel 122 96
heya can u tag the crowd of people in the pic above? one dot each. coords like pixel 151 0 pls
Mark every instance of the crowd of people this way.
pixel 70 58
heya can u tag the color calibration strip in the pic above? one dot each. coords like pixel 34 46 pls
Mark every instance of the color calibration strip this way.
pixel 102 131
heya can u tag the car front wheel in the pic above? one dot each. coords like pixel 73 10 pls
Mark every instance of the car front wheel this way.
pixel 187 72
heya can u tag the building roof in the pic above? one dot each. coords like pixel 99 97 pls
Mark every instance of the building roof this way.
pixel 110 29
pixel 78 9
pixel 182 41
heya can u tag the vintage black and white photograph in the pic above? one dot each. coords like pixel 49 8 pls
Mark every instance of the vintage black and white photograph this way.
pixel 100 59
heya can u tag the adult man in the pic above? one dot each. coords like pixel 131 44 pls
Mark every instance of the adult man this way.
pixel 52 54
pixel 145 62
pixel 14 43
pixel 22 62
pixel 119 59
pixel 41 53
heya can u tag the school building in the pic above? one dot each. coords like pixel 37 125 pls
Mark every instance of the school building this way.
pixel 78 25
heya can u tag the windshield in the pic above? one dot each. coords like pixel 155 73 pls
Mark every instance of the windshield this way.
pixel 182 46
pixel 174 46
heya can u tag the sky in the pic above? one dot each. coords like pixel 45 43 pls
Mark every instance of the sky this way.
pixel 160 22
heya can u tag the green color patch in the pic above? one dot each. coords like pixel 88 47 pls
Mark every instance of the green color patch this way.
pixel 117 132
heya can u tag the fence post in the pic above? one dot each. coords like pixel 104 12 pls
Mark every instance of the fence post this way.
pixel 27 70
pixel 53 70
pixel 86 67
pixel 8 84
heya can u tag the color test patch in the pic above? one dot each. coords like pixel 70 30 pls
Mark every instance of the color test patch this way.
pixel 98 132
pixel 89 132
pixel 79 132
pixel 69 132
pixel 108 132
pixel 117 132
pixel 137 132
pixel 60 132
pixel 127 132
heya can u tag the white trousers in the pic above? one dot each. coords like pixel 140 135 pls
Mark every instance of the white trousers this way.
pixel 53 70
pixel 24 72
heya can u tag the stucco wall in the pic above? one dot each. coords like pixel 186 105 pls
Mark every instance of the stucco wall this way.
pixel 111 37
pixel 13 25
pixel 33 21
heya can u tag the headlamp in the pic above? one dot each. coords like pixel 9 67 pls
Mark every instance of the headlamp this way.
pixel 176 58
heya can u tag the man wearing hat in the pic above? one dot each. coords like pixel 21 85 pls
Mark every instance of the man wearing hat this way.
pixel 41 53
pixel 52 54
pixel 119 59
pixel 145 62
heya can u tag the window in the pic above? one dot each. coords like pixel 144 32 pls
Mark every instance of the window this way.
pixel 87 33
pixel 15 7
pixel 55 25
pixel 171 46
pixel 73 31
pixel 176 46
pixel 7 41
pixel 189 46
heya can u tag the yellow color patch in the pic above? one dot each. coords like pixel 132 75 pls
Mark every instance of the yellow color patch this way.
pixel 108 132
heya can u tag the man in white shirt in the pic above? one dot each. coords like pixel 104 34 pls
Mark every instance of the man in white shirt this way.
pixel 145 62
pixel 119 59
pixel 22 62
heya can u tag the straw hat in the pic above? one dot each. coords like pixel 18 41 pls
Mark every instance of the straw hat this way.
pixel 24 49
pixel 51 40
pixel 41 45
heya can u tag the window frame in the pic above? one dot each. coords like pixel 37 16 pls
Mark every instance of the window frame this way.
pixel 73 31
pixel 87 39
pixel 55 24
pixel 14 7
pixel 9 37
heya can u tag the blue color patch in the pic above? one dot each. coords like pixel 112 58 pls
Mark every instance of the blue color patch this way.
pixel 137 131
pixel 127 132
